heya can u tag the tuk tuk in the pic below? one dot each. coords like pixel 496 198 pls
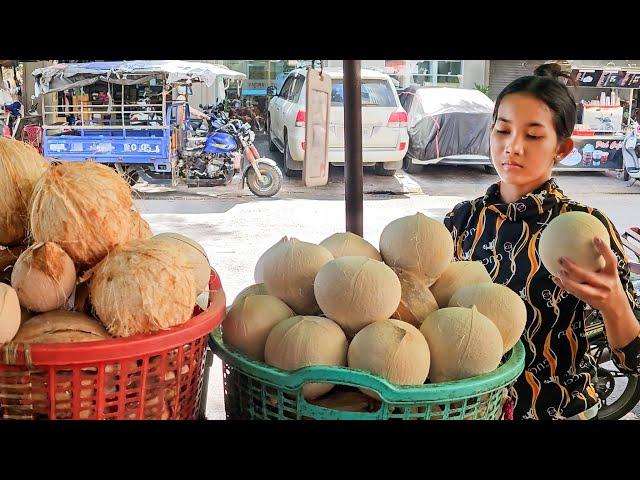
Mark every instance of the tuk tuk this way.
pixel 131 115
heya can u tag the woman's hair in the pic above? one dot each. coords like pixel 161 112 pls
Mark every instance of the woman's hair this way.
pixel 545 86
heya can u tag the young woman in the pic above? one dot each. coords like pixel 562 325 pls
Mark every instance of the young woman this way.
pixel 533 120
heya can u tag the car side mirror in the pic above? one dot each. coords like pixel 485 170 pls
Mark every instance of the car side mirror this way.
pixel 272 91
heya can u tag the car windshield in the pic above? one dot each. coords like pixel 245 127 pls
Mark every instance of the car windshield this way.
pixel 374 92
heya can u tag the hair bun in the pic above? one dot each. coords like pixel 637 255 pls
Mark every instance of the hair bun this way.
pixel 552 70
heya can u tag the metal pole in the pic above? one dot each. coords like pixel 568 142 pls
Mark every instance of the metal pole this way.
pixel 352 146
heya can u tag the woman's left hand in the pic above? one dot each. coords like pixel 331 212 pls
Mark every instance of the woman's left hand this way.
pixel 602 290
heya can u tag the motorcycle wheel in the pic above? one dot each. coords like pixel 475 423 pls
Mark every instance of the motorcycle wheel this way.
pixel 272 180
pixel 615 405
pixel 625 174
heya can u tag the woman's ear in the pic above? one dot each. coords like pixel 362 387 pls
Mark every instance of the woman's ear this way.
pixel 564 148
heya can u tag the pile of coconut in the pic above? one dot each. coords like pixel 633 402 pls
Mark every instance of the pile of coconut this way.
pixel 405 312
pixel 77 261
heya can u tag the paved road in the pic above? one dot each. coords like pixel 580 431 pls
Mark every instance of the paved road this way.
pixel 235 227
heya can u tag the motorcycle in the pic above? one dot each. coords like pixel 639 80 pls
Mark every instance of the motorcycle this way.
pixel 631 154
pixel 13 116
pixel 229 149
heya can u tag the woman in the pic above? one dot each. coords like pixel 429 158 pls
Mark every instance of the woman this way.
pixel 533 120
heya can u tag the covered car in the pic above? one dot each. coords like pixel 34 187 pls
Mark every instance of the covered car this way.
pixel 447 125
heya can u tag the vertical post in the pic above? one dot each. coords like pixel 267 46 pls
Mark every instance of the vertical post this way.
pixel 352 146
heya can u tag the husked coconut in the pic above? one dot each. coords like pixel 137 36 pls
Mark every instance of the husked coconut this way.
pixel 20 168
pixel 289 272
pixel 248 323
pixel 457 275
pixel 258 273
pixel 498 303
pixel 417 300
pixel 196 255
pixel 347 401
pixel 9 313
pixel 357 291
pixel 302 341
pixel 571 235
pixel 418 244
pixel 257 289
pixel 463 343
pixel 61 326
pixel 44 276
pixel 142 287
pixel 348 244
pixel 393 349
pixel 83 207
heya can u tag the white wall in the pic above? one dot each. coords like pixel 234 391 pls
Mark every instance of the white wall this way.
pixel 475 71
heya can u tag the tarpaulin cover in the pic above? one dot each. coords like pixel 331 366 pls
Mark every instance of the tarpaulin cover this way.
pixel 447 121
pixel 71 75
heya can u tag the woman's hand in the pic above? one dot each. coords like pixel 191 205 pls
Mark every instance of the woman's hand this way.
pixel 601 290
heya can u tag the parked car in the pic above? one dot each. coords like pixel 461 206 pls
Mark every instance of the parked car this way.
pixel 384 121
pixel 448 126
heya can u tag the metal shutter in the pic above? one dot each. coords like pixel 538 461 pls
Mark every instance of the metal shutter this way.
pixel 503 72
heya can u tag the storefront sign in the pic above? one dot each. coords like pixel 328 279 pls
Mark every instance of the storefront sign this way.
pixel 594 153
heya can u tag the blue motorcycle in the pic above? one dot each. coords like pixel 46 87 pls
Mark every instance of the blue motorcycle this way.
pixel 227 149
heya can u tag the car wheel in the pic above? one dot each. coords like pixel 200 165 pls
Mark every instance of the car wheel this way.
pixel 272 146
pixel 289 172
pixel 410 167
pixel 381 171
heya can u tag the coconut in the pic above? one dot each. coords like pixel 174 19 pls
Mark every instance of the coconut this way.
pixel 257 289
pixel 498 303
pixel 571 235
pixel 393 349
pixel 44 276
pixel 140 228
pixel 418 244
pixel 347 244
pixel 302 341
pixel 61 326
pixel 196 255
pixel 417 301
pixel 20 168
pixel 357 291
pixel 10 314
pixel 347 401
pixel 463 343
pixel 258 273
pixel 142 287
pixel 8 258
pixel 289 271
pixel 458 275
pixel 248 323
pixel 83 207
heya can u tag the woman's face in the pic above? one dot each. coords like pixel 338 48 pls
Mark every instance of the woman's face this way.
pixel 524 143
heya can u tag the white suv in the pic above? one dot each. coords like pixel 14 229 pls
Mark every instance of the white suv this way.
pixel 384 121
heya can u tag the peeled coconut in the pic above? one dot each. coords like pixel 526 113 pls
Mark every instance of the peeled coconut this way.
pixel 302 341
pixel 357 291
pixel 20 168
pixel 498 303
pixel 196 255
pixel 142 287
pixel 417 301
pixel 61 326
pixel 258 273
pixel 248 323
pixel 392 349
pixel 458 275
pixel 348 244
pixel 571 235
pixel 83 207
pixel 257 289
pixel 289 272
pixel 44 276
pixel 418 244
pixel 463 343
pixel 10 313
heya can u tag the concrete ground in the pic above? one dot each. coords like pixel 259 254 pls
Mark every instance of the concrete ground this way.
pixel 235 227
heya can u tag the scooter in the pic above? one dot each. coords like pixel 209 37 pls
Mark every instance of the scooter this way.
pixel 631 154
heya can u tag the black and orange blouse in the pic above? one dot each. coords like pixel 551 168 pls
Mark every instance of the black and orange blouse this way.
pixel 558 380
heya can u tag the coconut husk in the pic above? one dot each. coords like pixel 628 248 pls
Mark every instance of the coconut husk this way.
pixel 140 229
pixel 142 287
pixel 20 168
pixel 60 326
pixel 86 208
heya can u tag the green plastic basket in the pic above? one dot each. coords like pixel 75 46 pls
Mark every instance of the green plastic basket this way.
pixel 255 391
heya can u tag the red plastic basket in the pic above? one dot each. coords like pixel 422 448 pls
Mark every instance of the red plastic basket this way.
pixel 143 377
